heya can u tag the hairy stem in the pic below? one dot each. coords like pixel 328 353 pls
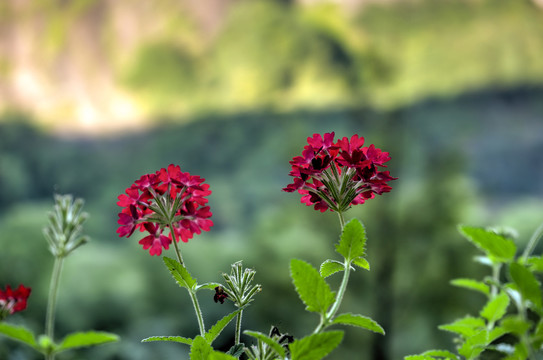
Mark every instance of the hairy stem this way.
pixel 341 220
pixel 238 328
pixel 192 294
pixel 341 291
pixel 51 301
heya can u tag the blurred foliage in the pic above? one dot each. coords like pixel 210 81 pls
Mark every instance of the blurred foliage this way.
pixel 286 56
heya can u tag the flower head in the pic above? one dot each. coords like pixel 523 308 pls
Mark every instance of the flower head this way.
pixel 169 198
pixel 336 175
pixel 12 301
pixel 64 231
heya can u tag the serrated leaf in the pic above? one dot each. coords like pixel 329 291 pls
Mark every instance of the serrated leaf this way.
pixel 315 346
pixel 352 243
pixel 311 287
pixel 472 285
pixel 179 339
pixel 361 262
pixel 88 338
pixel 208 286
pixel 200 349
pixel 360 321
pixel 236 350
pixel 496 308
pixel 441 354
pixel 527 284
pixel 432 355
pixel 179 273
pixel 474 345
pixel 19 333
pixel 217 355
pixel 515 324
pixel 330 267
pixel 536 263
pixel 279 350
pixel 216 329
pixel 497 247
pixel 466 327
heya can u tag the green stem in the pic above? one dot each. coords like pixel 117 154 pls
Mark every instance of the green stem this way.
pixel 198 312
pixel 238 328
pixel 192 294
pixel 325 320
pixel 341 220
pixel 496 268
pixel 51 302
pixel 341 291
pixel 533 242
pixel 176 247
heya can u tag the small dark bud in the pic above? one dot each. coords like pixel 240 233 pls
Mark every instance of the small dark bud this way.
pixel 220 295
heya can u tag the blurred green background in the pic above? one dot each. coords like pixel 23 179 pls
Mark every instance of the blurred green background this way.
pixel 95 93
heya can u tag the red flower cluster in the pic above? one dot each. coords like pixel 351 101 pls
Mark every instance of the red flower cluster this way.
pixel 12 301
pixel 335 175
pixel 168 198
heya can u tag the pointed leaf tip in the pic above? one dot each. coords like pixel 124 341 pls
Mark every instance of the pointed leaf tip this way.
pixel 330 267
pixel 352 243
pixel 360 321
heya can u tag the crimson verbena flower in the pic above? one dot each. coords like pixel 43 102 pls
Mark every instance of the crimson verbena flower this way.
pixel 12 301
pixel 336 175
pixel 169 198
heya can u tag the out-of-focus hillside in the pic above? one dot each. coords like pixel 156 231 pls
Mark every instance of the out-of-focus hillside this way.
pixel 102 65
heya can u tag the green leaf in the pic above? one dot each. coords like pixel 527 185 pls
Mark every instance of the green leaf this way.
pixel 179 273
pixel 279 350
pixel 200 349
pixel 477 343
pixel 311 287
pixel 495 309
pixel 361 262
pixel 216 329
pixel 515 324
pixel 315 346
pixel 536 263
pixel 466 327
pixel 360 321
pixel 208 286
pixel 352 243
pixel 88 338
pixel 440 354
pixel 236 350
pixel 527 284
pixel 432 355
pixel 330 267
pixel 497 247
pixel 472 285
pixel 178 339
pixel 19 333
pixel 217 355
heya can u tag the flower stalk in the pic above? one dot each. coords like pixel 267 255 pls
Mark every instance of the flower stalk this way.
pixel 52 299
pixel 64 236
pixel 240 290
